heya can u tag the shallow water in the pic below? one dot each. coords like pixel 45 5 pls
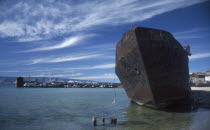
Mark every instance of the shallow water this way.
pixel 73 108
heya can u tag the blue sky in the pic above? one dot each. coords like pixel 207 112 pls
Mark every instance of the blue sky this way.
pixel 76 38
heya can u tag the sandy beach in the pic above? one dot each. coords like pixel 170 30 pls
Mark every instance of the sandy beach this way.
pixel 201 88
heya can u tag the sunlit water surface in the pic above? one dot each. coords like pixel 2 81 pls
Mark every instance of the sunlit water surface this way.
pixel 73 108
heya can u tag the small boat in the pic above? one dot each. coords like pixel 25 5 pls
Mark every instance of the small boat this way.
pixel 153 67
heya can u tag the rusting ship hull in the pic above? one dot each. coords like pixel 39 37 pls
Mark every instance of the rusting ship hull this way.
pixel 152 67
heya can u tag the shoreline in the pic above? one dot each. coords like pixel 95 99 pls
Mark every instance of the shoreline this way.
pixel 201 95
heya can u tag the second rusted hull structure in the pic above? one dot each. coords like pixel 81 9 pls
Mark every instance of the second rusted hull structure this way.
pixel 152 67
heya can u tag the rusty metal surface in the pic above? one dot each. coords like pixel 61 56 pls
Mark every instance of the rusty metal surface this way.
pixel 153 67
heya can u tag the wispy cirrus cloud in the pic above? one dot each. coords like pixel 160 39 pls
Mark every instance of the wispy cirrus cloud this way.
pixel 96 77
pixel 199 56
pixel 101 66
pixel 57 75
pixel 32 20
pixel 63 69
pixel 190 36
pixel 30 38
pixel 63 58
pixel 11 71
pixel 193 33
pixel 193 30
pixel 108 46
pixel 66 43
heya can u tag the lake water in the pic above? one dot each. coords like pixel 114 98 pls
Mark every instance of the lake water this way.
pixel 73 108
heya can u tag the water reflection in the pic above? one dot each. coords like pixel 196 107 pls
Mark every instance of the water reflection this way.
pixel 138 117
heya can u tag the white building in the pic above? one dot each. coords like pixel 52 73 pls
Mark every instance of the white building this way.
pixel 70 81
pixel 27 84
pixel 207 78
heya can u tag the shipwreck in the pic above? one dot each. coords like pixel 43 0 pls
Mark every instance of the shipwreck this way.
pixel 153 67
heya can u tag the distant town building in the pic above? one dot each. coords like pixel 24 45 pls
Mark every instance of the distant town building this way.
pixel 207 78
pixel 19 82
pixel 28 84
pixel 198 78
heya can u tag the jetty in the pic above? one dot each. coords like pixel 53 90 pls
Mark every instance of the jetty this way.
pixel 94 119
